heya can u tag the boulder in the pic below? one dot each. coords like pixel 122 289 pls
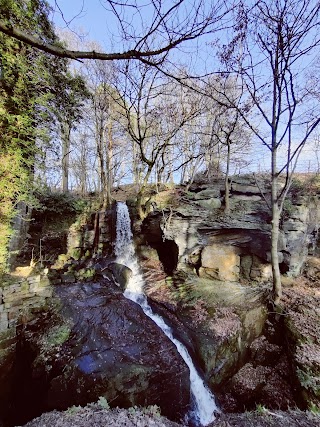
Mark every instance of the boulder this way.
pixel 220 262
pixel 101 344
pixel 208 193
pixel 264 352
pixel 210 204
pixel 245 188
pixel 121 273
pixel 248 383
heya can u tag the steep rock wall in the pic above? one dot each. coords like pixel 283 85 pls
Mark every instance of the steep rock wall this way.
pixel 236 245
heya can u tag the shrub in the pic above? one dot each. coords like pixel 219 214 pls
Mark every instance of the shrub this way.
pixel 103 403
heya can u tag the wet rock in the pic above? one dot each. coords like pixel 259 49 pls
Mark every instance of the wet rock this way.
pixel 68 277
pixel 112 349
pixel 121 273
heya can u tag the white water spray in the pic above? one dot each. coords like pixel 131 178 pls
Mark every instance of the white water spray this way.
pixel 204 402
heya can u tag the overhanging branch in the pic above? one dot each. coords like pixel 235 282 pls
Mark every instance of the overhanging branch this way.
pixel 62 52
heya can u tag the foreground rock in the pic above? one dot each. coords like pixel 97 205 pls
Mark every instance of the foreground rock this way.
pixel 99 417
pixel 95 415
pixel 265 418
pixel 103 345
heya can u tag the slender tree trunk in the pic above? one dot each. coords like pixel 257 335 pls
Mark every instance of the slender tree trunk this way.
pixel 275 225
pixel 226 182
pixel 170 179
pixel 83 167
pixel 109 181
pixel 101 160
pixel 140 195
pixel 135 165
pixel 65 136
pixel 277 287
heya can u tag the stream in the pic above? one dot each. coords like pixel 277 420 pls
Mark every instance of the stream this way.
pixel 203 402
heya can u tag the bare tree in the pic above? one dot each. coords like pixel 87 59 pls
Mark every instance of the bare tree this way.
pixel 229 132
pixel 159 26
pixel 154 113
pixel 103 119
pixel 274 45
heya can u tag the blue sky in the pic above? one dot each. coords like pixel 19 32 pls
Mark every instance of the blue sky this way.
pixel 87 15
pixel 95 22
pixel 90 18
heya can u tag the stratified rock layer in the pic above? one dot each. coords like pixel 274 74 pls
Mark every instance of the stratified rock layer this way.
pixel 234 245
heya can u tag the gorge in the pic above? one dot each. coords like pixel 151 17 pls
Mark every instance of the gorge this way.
pixel 73 337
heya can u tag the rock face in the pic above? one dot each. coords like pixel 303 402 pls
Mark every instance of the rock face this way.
pixel 20 226
pixel 214 252
pixel 218 335
pixel 104 345
pixel 220 262
pixel 95 236
pixel 302 322
pixel 234 246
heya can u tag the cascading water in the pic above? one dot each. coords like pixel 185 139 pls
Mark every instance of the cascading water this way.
pixel 202 398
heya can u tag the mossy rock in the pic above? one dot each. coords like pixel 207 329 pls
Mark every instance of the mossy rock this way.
pixel 86 274
pixel 57 335
pixel 76 253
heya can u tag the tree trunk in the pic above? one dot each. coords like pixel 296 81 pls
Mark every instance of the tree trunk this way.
pixel 275 224
pixel 135 165
pixel 100 154
pixel 65 136
pixel 140 211
pixel 226 182
pixel 109 181
pixel 140 195
pixel 277 287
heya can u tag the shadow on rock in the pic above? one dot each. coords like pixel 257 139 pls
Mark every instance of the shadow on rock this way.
pixel 101 344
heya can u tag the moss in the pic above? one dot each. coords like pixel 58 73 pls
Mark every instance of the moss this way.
pixel 73 410
pixel 61 261
pixel 103 403
pixel 309 381
pixel 315 409
pixel 86 274
pixel 7 280
pixel 57 335
pixel 76 253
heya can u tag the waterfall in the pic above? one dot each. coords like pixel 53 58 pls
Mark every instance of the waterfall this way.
pixel 203 400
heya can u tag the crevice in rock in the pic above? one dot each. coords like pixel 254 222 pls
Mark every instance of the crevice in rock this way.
pixel 168 252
